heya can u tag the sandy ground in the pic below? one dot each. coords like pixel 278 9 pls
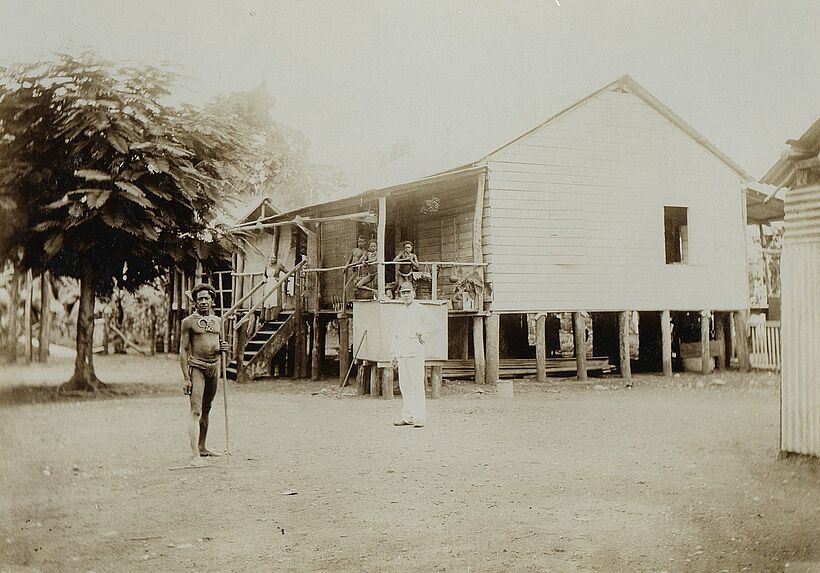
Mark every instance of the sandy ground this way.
pixel 670 475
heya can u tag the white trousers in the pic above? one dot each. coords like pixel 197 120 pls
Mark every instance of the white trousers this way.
pixel 411 384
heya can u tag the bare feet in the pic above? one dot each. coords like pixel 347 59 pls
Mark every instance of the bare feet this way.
pixel 197 462
pixel 208 454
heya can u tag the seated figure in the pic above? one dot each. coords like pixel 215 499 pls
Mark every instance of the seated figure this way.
pixel 409 264
pixel 369 262
pixel 353 262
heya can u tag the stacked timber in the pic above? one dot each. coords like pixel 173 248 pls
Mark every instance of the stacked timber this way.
pixel 523 367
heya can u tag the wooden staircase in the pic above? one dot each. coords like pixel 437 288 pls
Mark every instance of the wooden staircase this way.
pixel 271 337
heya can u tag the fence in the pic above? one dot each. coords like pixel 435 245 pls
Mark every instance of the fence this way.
pixel 765 345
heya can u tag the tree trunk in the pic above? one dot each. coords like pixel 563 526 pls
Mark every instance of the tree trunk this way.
pixel 44 335
pixel 14 303
pixel 119 319
pixel 84 378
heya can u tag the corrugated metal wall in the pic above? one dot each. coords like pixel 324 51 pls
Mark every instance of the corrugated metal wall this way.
pixel 800 273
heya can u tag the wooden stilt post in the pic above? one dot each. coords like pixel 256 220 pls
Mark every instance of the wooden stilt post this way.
pixel 720 339
pixel 705 354
pixel 387 382
pixel 344 345
pixel 666 342
pixel 313 249
pixel 579 333
pixel 316 353
pixel 742 340
pixel 241 336
pixel 375 385
pixel 493 349
pixel 541 347
pixel 361 382
pixel 478 349
pixel 623 339
pixel 728 339
pixel 435 381
pixel 380 239
pixel 44 334
pixel 375 377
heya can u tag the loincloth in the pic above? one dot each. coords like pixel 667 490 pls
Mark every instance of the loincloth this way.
pixel 209 366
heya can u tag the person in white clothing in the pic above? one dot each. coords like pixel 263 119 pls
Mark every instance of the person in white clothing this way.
pixel 407 351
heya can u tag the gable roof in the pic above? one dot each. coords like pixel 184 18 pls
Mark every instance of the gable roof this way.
pixel 628 84
pixel 783 173
pixel 624 83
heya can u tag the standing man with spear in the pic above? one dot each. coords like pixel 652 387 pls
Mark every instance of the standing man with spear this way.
pixel 200 347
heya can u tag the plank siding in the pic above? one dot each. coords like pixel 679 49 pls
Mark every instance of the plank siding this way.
pixel 575 215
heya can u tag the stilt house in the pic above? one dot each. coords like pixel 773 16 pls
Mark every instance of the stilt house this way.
pixel 614 211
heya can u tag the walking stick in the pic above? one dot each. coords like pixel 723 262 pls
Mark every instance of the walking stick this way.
pixel 224 375
pixel 352 361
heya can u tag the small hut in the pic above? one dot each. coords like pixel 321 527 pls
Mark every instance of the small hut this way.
pixel 798 171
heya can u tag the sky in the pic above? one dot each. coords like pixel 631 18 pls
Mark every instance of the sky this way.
pixel 388 91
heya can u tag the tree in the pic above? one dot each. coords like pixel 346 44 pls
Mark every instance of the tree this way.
pixel 283 171
pixel 103 181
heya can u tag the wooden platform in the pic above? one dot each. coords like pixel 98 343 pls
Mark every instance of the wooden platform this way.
pixel 523 367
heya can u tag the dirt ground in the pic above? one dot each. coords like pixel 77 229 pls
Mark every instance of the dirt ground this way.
pixel 670 475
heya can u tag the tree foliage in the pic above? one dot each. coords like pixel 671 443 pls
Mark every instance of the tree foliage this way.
pixel 102 180
pixel 283 171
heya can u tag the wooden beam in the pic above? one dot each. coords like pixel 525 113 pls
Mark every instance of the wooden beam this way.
pixel 478 349
pixel 579 333
pixel 541 347
pixel 666 342
pixel 742 340
pixel 478 216
pixel 493 348
pixel 705 354
pixel 380 238
pixel 623 344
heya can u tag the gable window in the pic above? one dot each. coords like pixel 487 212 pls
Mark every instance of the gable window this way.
pixel 676 235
